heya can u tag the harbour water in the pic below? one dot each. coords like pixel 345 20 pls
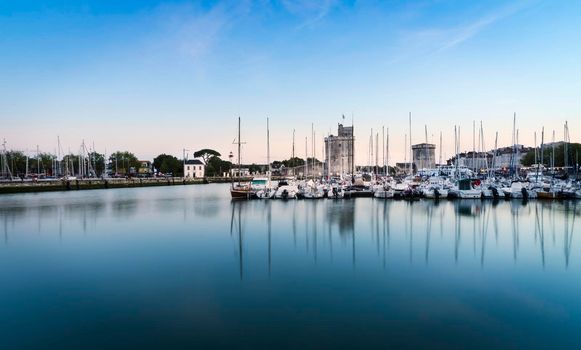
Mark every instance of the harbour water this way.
pixel 185 267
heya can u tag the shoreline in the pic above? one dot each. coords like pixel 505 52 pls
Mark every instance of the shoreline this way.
pixel 93 184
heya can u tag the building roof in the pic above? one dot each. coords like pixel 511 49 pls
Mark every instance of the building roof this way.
pixel 194 162
pixel 424 145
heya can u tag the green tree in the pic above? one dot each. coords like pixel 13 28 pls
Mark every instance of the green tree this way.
pixel 70 164
pixel 217 166
pixel 206 154
pixel 122 162
pixel 16 162
pixel 46 161
pixel 97 162
pixel 573 150
pixel 166 163
pixel 293 162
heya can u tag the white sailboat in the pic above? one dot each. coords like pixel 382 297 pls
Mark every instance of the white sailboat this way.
pixel 263 186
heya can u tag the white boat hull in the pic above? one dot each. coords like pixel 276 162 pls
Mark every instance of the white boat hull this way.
pixel 470 194
pixel 385 194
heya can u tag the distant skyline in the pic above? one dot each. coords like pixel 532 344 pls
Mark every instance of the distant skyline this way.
pixel 155 77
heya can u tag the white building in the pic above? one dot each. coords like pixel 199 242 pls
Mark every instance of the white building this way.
pixel 194 168
pixel 242 172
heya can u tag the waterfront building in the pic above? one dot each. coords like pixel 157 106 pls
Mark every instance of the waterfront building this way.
pixel 403 168
pixel 145 168
pixel 505 156
pixel 194 168
pixel 242 172
pixel 339 151
pixel 424 155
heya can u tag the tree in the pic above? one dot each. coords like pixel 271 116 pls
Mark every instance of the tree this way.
pixel 166 163
pixel 97 162
pixel 217 166
pixel 16 162
pixel 70 164
pixel 572 150
pixel 293 162
pixel 46 163
pixel 122 162
pixel 206 154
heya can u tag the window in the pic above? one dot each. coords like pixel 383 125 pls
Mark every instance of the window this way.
pixel 188 167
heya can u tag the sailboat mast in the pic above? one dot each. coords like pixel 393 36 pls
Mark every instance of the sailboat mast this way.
pixel 306 159
pixel 459 139
pixel 517 160
pixel 37 161
pixel 474 146
pixel 387 160
pixel 456 150
pixel 440 158
pixel 293 157
pixel 566 146
pixel 383 147
pixel 268 149
pixel 239 149
pixel 371 150
pixel 536 155
pixel 512 162
pixel 376 153
pixel 410 148
pixel 479 165
pixel 542 158
pixel 495 148
pixel 313 149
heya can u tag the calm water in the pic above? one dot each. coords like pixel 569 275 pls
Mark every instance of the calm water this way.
pixel 184 267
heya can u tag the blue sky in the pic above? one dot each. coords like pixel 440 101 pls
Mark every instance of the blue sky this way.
pixel 155 77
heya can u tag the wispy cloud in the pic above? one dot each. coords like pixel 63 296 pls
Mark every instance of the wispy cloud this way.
pixel 311 11
pixel 431 40
pixel 192 30
pixel 456 36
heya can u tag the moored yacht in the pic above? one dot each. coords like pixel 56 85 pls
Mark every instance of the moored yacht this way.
pixel 467 190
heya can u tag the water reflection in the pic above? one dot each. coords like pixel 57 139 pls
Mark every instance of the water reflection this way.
pixel 464 228
pixel 326 231
pixel 361 272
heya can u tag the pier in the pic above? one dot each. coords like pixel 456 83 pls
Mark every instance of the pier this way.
pixel 92 184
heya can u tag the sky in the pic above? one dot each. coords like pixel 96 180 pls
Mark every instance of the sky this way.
pixel 156 77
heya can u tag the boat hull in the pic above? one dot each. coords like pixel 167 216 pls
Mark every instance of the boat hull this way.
pixel 383 194
pixel 240 194
pixel 470 194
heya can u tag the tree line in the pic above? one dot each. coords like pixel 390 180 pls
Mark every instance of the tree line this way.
pixel 573 153
pixel 125 163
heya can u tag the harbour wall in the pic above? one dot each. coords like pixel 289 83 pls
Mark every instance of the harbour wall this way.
pixel 105 183
pixel 92 184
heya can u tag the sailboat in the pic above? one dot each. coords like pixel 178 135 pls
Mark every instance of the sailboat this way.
pixel 262 186
pixel 240 190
